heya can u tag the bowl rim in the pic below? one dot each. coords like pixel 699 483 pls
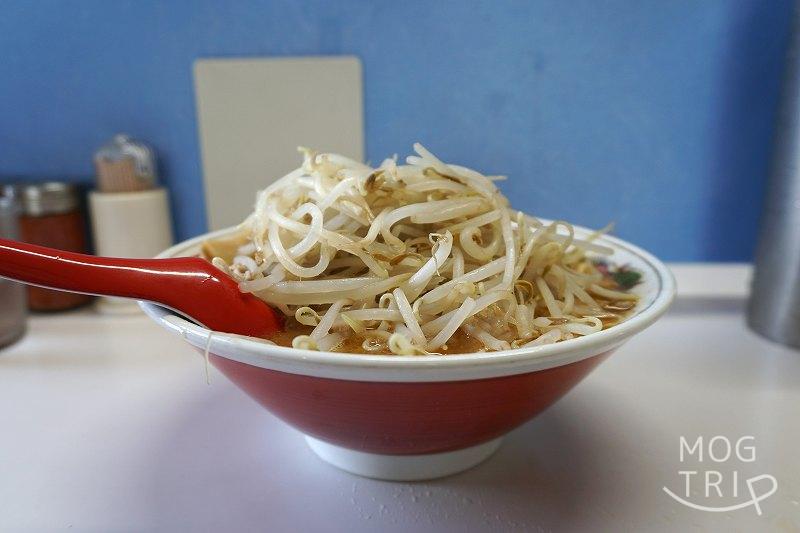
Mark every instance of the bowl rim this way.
pixel 370 367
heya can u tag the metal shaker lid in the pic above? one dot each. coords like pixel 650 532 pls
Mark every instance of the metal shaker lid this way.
pixel 49 198
pixel 124 148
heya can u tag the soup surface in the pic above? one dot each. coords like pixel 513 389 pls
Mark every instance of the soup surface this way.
pixel 460 343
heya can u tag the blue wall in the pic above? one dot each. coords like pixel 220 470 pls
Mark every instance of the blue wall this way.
pixel 655 114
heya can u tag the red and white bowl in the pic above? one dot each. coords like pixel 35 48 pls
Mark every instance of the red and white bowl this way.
pixel 416 417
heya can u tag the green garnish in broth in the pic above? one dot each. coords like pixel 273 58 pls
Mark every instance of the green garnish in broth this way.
pixel 626 279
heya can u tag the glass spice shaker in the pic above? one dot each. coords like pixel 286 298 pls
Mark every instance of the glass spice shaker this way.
pixel 13 305
pixel 125 165
pixel 51 216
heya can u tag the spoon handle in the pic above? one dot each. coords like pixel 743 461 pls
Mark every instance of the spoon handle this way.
pixel 74 272
pixel 190 285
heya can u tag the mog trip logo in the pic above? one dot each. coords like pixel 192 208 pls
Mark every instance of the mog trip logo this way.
pixel 717 478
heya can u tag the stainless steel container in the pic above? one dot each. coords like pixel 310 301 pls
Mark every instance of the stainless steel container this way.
pixel 13 303
pixel 774 307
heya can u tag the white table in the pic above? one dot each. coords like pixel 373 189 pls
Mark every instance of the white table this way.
pixel 108 425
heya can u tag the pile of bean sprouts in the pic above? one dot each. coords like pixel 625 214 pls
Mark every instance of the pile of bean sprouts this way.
pixel 403 256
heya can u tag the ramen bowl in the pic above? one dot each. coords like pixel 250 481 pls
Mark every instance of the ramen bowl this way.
pixel 416 417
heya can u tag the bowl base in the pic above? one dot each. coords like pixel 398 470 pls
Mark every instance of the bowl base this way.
pixel 402 467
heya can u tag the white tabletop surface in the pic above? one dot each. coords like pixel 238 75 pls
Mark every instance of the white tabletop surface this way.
pixel 109 425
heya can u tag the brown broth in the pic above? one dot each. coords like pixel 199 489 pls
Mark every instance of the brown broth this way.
pixel 459 343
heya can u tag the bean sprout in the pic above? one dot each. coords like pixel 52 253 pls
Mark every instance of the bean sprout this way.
pixel 403 258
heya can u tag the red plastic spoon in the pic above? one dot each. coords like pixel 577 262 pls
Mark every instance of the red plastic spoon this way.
pixel 189 285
